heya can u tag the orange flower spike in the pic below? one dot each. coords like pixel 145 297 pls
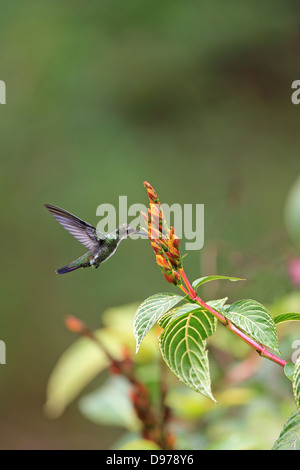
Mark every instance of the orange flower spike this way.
pixel 174 252
pixel 154 233
pixel 172 260
pixel 151 193
pixel 145 217
pixel 157 247
pixel 172 236
pixel 177 278
pixel 164 264
pixel 155 217
pixel 153 221
pixel 170 279
pixel 170 244
pixel 171 232
pixel 155 211
pixel 173 278
pixel 176 242
pixel 154 200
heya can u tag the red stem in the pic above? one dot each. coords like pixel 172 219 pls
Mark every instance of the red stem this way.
pixel 258 347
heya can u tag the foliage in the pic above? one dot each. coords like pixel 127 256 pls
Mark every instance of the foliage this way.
pixel 144 403
pixel 238 420
pixel 289 438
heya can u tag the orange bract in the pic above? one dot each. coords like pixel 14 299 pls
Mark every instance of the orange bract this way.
pixel 163 240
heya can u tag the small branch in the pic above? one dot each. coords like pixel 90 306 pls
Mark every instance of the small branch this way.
pixel 253 344
pixel 169 260
pixel 191 291
pixel 153 428
pixel 183 289
pixel 258 347
pixel 165 411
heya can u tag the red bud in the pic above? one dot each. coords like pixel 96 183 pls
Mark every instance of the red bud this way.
pixel 163 264
pixel 151 193
pixel 75 325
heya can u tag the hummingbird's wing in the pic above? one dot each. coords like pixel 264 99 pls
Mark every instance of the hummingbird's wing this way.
pixel 84 232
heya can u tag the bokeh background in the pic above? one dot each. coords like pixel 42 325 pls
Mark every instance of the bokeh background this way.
pixel 194 97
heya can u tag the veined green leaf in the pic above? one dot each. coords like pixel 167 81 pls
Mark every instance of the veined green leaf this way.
pixel 177 312
pixel 286 317
pixel 219 304
pixel 255 320
pixel 150 311
pixel 289 438
pixel 289 370
pixel 187 308
pixel 204 279
pixel 183 347
pixel 207 323
pixel 296 382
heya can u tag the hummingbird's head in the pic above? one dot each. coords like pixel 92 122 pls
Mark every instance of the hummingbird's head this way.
pixel 126 230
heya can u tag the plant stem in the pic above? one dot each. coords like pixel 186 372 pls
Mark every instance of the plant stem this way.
pixel 183 289
pixel 191 291
pixel 154 427
pixel 253 344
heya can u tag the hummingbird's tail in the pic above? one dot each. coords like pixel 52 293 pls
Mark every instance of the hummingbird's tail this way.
pixel 67 269
pixel 81 262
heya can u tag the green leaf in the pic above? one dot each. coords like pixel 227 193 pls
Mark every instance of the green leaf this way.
pixel 286 317
pixel 119 323
pixel 202 280
pixel 255 320
pixel 208 322
pixel 176 312
pixel 289 438
pixel 150 311
pixel 188 307
pixel 289 370
pixel 110 405
pixel 219 304
pixel 183 347
pixel 296 382
pixel 76 367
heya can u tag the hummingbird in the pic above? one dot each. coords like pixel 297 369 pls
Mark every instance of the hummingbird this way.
pixel 101 247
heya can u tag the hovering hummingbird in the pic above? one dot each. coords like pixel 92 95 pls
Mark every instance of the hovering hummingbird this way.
pixel 101 247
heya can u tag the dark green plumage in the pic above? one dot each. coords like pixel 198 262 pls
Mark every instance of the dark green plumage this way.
pixel 101 247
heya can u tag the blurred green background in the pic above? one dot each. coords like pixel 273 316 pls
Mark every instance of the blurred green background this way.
pixel 194 97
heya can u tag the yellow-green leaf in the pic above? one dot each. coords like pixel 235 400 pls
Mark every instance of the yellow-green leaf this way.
pixel 255 320
pixel 296 382
pixel 76 367
pixel 150 311
pixel 183 347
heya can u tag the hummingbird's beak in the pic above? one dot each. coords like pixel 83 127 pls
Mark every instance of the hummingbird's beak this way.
pixel 141 233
